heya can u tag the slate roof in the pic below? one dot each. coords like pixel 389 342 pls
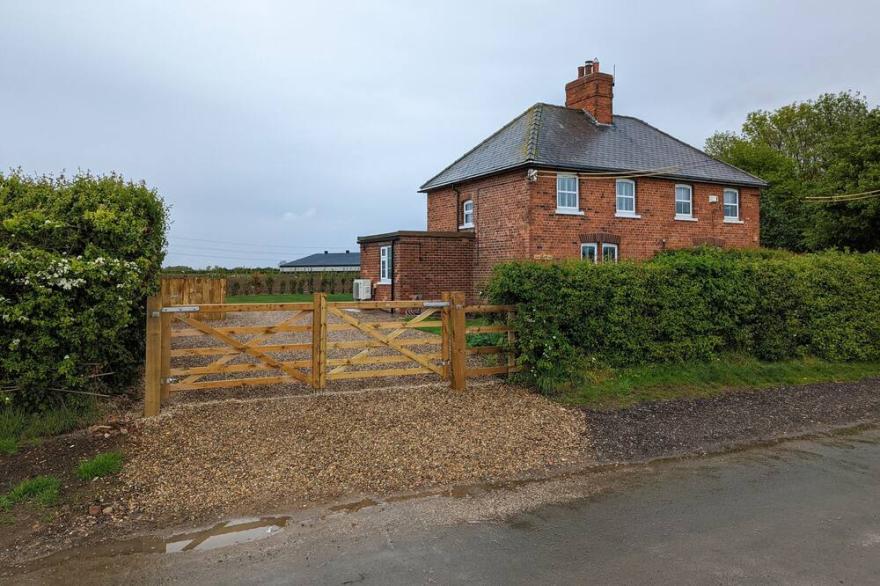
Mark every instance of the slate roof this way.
pixel 326 259
pixel 553 136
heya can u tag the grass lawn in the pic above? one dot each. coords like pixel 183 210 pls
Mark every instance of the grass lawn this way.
pixel 626 386
pixel 291 298
pixel 18 426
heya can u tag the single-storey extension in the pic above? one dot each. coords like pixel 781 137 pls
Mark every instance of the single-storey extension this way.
pixel 324 263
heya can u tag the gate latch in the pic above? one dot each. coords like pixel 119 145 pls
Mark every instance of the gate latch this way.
pixel 181 309
pixel 436 304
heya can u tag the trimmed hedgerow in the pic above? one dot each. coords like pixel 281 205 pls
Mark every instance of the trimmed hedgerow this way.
pixel 78 256
pixel 691 305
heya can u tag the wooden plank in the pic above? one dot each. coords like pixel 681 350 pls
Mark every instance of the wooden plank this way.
pixel 367 360
pixel 376 304
pixel 319 341
pixel 153 358
pixel 444 333
pixel 226 351
pixel 489 308
pixel 390 343
pixel 297 374
pixel 353 344
pixel 487 329
pixel 379 373
pixel 237 331
pixel 248 307
pixel 233 382
pixel 197 372
pixel 487 350
pixel 165 353
pixel 503 369
pixel 458 343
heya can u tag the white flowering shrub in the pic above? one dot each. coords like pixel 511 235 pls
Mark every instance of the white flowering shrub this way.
pixel 77 259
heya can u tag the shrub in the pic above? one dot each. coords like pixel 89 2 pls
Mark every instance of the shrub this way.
pixel 691 305
pixel 101 465
pixel 78 257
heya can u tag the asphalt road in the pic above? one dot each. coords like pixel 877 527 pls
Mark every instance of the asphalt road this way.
pixel 803 512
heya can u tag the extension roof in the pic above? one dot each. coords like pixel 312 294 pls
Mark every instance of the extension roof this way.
pixel 565 138
pixel 326 259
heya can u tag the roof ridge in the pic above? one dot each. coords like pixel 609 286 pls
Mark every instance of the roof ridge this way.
pixel 481 143
pixel 692 147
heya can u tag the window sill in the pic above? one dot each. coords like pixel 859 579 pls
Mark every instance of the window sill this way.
pixel 685 218
pixel 733 221
pixel 625 215
pixel 466 227
pixel 380 282
pixel 568 212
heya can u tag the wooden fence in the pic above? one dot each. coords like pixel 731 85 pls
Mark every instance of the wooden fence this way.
pixel 309 352
pixel 194 291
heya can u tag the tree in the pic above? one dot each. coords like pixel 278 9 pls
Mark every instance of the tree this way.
pixel 827 146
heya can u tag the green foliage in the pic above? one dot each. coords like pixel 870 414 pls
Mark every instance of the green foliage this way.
pixel 691 305
pixel 40 489
pixel 828 146
pixel 101 465
pixel 8 445
pixel 78 256
pixel 18 425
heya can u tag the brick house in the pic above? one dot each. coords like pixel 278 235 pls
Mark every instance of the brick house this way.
pixel 564 182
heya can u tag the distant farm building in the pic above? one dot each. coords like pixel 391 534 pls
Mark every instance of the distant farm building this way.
pixel 324 262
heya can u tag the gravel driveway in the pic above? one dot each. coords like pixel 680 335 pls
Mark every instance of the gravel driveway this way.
pixel 239 457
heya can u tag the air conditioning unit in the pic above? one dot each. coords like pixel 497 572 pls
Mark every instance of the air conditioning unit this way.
pixel 363 289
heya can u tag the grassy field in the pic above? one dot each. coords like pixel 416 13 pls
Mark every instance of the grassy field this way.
pixel 291 298
pixel 613 388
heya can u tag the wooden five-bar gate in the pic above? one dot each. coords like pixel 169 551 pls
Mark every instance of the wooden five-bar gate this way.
pixel 315 342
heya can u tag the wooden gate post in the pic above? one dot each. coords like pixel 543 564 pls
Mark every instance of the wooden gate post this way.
pixel 153 364
pixel 458 342
pixel 165 355
pixel 319 341
pixel 445 332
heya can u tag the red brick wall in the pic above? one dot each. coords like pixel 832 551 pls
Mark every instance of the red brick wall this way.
pixel 558 236
pixel 593 93
pixel 443 210
pixel 423 267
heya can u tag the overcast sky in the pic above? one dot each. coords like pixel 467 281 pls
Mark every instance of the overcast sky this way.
pixel 278 129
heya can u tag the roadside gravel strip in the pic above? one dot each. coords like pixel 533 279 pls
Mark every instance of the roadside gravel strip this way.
pixel 254 455
pixel 701 426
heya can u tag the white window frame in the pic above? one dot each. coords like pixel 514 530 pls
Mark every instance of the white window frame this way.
pixel 730 219
pixel 465 212
pixel 625 213
pixel 568 210
pixel 594 246
pixel 690 202
pixel 608 246
pixel 385 264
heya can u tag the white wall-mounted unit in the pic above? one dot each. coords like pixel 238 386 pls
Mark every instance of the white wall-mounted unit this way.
pixel 363 290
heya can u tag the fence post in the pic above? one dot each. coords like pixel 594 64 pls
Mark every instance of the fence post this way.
pixel 319 341
pixel 165 355
pixel 458 350
pixel 445 332
pixel 153 366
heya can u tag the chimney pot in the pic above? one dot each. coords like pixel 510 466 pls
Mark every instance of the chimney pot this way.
pixel 325 252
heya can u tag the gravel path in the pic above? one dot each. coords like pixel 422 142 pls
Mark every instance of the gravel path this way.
pixel 240 457
pixel 699 426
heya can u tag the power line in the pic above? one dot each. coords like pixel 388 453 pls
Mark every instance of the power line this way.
pixel 293 251
pixel 843 197
pixel 251 244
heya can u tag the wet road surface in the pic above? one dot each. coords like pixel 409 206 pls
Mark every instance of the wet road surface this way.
pixel 801 512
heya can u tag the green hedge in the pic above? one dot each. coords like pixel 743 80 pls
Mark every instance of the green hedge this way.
pixel 78 256
pixel 692 305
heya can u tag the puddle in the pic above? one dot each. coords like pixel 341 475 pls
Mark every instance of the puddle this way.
pixel 220 535
pixel 355 506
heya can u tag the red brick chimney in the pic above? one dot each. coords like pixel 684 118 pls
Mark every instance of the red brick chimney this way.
pixel 591 91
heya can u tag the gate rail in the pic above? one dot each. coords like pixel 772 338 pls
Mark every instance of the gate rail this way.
pixel 449 362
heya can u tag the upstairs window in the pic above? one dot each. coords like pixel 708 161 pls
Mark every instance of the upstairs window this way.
pixel 385 264
pixel 467 214
pixel 567 193
pixel 626 197
pixel 684 199
pixel 731 205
